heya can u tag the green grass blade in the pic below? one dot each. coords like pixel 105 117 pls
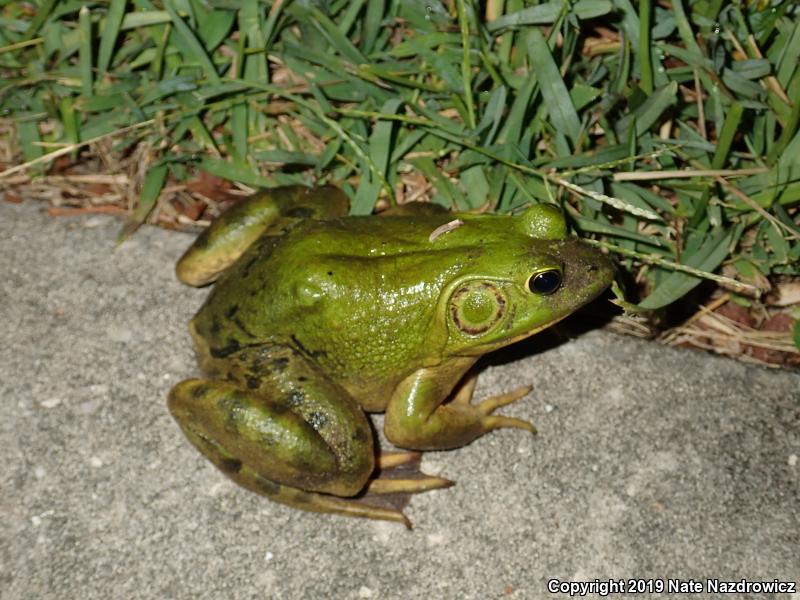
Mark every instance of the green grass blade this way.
pixel 198 52
pixel 708 257
pixel 351 14
pixel 234 172
pixel 380 149
pixel 42 12
pixel 136 20
pixel 30 138
pixel 372 24
pixel 108 37
pixel 70 120
pixel 786 135
pixel 151 189
pixel 85 55
pixel 554 91
pixel 466 63
pixel 645 63
pixel 548 13
pixel 650 110
pixel 729 129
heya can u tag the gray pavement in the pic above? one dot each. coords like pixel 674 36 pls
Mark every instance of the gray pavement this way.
pixel 650 463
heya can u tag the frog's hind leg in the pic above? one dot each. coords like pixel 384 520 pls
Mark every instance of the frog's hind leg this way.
pixel 227 238
pixel 266 447
pixel 250 479
pixel 292 435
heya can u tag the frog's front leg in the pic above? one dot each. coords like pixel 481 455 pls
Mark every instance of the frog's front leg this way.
pixel 417 416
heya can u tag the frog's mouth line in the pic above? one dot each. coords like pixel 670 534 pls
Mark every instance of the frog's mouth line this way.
pixel 481 349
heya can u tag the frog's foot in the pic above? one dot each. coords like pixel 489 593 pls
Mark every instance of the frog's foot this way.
pixel 488 406
pixel 324 503
pixel 418 416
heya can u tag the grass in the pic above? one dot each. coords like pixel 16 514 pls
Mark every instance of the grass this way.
pixel 668 131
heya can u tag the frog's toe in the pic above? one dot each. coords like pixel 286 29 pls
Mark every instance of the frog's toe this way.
pixel 406 476
pixel 408 486
pixel 500 422
pixel 389 460
pixel 488 406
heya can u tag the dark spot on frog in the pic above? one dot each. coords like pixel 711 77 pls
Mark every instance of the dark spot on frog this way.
pixel 330 273
pixel 249 265
pixel 300 212
pixel 200 391
pixel 278 364
pixel 278 408
pixel 360 435
pixel 230 348
pixel 242 327
pixel 215 327
pixel 229 465
pixel 312 354
pixel 302 378
pixel 317 420
pixel 232 310
pixel 253 383
pixel 270 488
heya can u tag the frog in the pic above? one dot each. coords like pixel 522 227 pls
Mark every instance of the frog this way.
pixel 317 318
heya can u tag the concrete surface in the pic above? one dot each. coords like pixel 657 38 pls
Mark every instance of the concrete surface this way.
pixel 650 463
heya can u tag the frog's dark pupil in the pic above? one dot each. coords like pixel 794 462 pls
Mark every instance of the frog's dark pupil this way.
pixel 545 282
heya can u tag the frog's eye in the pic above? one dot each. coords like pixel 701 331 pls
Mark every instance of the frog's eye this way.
pixel 545 283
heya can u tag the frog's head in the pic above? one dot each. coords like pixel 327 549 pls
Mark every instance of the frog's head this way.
pixel 529 276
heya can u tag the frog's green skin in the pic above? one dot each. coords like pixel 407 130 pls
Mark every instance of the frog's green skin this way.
pixel 316 318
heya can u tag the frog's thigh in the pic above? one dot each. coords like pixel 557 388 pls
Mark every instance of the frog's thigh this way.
pixel 260 441
pixel 228 236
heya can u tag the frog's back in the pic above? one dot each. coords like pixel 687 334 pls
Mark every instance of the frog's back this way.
pixel 357 296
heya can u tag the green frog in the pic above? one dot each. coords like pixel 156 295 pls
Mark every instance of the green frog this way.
pixel 317 318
